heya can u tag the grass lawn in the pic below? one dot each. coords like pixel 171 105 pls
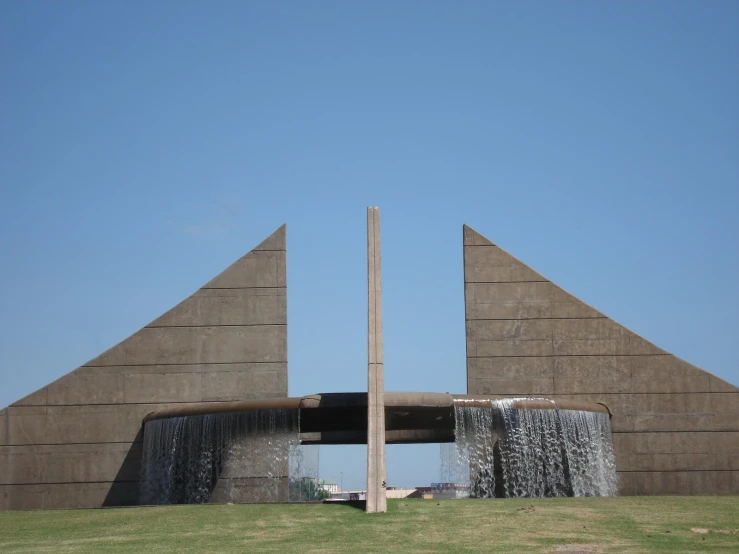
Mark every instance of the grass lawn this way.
pixel 568 525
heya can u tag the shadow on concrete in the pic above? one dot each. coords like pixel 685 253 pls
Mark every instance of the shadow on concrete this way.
pixel 125 488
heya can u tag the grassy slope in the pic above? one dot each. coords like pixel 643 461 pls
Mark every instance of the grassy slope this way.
pixel 646 524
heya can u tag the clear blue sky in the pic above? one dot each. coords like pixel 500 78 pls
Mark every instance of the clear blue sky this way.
pixel 144 146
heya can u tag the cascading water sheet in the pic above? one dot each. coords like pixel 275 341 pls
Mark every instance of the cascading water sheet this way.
pixel 225 457
pixel 451 471
pixel 512 452
pixel 304 465
pixel 592 463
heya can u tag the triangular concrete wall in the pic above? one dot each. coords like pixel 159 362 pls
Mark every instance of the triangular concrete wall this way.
pixel 77 441
pixel 675 426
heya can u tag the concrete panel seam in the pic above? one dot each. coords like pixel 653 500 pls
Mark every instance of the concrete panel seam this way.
pixel 537 319
pixel 214 325
pixel 42 483
pixel 564 355
pixel 164 364
pixel 61 444
pixel 516 281
pixel 279 287
pixel 122 404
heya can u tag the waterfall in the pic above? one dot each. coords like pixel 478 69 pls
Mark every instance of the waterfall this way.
pixel 252 456
pixel 512 452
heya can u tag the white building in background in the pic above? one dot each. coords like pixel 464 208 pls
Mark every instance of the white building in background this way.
pixel 328 486
pixel 392 492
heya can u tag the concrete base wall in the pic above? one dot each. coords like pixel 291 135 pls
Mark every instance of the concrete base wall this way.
pixel 76 443
pixel 675 426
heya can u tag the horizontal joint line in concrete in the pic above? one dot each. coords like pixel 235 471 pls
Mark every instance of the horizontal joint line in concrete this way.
pixel 66 483
pixel 494 282
pixel 219 325
pixel 87 404
pixel 131 442
pixel 122 404
pixel 242 288
pixel 187 364
pixel 530 318
pixel 565 355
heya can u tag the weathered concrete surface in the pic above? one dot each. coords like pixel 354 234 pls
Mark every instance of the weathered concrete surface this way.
pixel 675 426
pixel 376 470
pixel 76 443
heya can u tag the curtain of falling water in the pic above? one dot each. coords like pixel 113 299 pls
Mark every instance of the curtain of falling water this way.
pixel 533 453
pixel 228 457
pixel 592 464
pixel 304 473
pixel 451 471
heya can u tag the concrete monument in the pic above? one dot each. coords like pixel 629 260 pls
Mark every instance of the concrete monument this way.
pixel 675 426
pixel 76 443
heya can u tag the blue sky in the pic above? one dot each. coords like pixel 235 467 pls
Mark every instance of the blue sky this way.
pixel 145 146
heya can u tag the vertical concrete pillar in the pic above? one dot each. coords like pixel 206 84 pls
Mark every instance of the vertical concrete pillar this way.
pixel 376 496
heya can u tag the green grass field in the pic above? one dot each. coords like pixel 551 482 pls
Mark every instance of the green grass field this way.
pixel 572 525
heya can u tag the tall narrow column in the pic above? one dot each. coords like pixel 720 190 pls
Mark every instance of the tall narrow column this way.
pixel 376 496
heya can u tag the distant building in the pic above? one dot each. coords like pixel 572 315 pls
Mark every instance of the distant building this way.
pixel 393 492
pixel 442 490
pixel 328 486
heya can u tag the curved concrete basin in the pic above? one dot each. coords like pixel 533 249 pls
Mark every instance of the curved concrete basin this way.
pixel 341 418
